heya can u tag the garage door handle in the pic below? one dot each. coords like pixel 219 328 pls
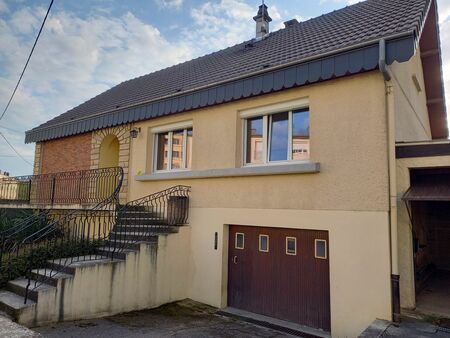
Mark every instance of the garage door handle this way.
pixel 235 259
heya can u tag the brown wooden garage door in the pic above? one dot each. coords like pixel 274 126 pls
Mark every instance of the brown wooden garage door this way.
pixel 281 273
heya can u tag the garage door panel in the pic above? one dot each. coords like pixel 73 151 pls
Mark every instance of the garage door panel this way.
pixel 291 287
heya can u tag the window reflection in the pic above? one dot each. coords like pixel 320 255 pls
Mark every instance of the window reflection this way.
pixel 174 150
pixel 163 151
pixel 189 149
pixel 279 139
pixel 177 149
pixel 255 140
pixel 300 135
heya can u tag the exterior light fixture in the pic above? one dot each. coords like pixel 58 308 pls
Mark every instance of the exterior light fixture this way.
pixel 135 132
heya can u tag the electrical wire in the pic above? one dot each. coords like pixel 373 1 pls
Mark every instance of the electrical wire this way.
pixel 10 129
pixel 28 60
pixel 14 149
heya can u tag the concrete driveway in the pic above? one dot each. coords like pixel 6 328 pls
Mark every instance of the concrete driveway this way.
pixel 182 319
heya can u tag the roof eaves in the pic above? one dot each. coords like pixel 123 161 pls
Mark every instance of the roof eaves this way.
pixel 352 61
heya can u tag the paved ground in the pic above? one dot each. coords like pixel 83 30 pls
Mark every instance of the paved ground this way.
pixel 409 327
pixel 12 330
pixel 184 319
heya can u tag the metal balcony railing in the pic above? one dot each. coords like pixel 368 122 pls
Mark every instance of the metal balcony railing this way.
pixel 85 187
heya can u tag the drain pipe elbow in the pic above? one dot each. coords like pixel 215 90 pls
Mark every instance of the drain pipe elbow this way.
pixel 382 60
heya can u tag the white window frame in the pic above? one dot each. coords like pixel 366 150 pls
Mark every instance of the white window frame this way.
pixel 295 249
pixel 185 125
pixel 266 113
pixel 268 243
pixel 243 240
pixel 315 248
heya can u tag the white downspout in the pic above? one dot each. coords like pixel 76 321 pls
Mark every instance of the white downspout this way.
pixel 390 120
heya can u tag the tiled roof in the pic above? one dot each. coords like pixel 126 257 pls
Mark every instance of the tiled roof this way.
pixel 349 27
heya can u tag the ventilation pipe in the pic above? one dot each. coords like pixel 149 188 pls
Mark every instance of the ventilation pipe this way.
pixel 390 119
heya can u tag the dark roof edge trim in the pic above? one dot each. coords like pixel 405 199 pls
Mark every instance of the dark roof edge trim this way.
pixel 334 66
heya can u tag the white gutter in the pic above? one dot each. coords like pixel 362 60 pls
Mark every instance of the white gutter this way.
pixel 390 121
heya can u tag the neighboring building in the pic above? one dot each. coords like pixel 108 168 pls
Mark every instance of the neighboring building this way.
pixel 288 143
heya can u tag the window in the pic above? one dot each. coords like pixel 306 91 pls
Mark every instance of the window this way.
pixel 264 243
pixel 321 248
pixel 291 246
pixel 277 137
pixel 239 241
pixel 174 149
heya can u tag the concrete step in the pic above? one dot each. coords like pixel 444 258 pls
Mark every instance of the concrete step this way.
pixel 136 237
pixel 69 265
pixel 49 276
pixel 139 235
pixel 19 286
pixel 131 244
pixel 146 228
pixel 138 214
pixel 141 221
pixel 115 252
pixel 12 303
pixel 134 208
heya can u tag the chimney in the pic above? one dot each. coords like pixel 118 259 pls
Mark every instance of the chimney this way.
pixel 290 23
pixel 262 21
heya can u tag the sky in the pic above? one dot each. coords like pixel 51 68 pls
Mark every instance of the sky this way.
pixel 88 46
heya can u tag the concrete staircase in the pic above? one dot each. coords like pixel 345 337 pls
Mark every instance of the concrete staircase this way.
pixel 122 277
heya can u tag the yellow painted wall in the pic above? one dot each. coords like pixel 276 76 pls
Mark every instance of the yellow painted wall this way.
pixel 407 288
pixel 358 251
pixel 147 278
pixel 348 198
pixel 348 139
pixel 109 152
pixel 411 112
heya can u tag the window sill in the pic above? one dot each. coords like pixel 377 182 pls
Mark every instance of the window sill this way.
pixel 280 169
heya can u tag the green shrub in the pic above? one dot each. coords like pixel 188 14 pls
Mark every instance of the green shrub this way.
pixel 21 263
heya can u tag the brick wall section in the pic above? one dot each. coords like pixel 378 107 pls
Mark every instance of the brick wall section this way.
pixel 65 154
pixel 123 135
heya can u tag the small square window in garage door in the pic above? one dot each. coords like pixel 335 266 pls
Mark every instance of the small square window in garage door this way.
pixel 320 249
pixel 291 246
pixel 263 243
pixel 239 241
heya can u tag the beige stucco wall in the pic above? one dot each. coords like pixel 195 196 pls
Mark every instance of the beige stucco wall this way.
pixel 358 251
pixel 152 276
pixel 347 138
pixel 348 198
pixel 405 250
pixel 411 112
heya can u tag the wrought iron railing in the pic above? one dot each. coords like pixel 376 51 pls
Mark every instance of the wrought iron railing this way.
pixel 150 215
pixel 91 234
pixel 85 187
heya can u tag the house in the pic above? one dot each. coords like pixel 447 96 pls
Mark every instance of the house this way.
pixel 293 157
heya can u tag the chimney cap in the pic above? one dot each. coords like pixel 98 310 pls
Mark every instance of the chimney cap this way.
pixel 260 14
pixel 290 23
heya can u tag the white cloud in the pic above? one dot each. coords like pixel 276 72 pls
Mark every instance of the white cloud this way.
pixel 445 45
pixel 444 10
pixel 176 4
pixel 3 6
pixel 74 60
pixel 218 25
pixel 348 2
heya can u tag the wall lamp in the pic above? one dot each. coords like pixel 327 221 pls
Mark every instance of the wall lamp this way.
pixel 135 132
